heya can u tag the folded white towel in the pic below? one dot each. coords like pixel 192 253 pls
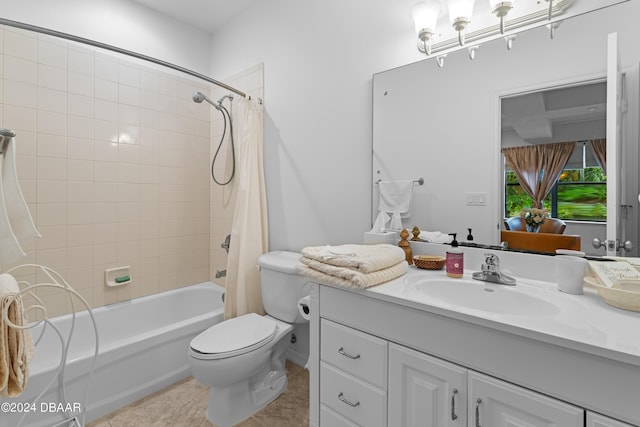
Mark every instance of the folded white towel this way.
pixel 19 216
pixel 363 258
pixel 395 197
pixel 349 278
pixel 435 237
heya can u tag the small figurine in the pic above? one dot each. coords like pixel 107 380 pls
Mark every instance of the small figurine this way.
pixel 404 244
pixel 416 233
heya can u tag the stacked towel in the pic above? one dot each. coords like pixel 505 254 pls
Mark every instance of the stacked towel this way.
pixel 16 224
pixel 16 346
pixel 353 266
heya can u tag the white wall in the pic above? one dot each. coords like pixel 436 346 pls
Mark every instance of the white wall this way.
pixel 319 58
pixel 122 23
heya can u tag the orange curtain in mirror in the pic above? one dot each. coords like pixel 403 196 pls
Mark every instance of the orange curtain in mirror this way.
pixel 556 157
pixel 526 163
pixel 538 167
pixel 600 148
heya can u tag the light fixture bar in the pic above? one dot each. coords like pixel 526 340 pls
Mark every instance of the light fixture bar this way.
pixel 517 24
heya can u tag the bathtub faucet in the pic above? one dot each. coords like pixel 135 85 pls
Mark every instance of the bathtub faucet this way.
pixel 221 273
pixel 227 242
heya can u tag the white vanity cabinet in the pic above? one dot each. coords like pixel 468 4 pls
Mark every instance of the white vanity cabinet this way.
pixel 380 361
pixel 597 420
pixel 497 403
pixel 353 368
pixel 427 391
pixel 424 390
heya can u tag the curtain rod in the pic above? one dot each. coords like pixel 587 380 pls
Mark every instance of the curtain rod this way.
pixel 94 43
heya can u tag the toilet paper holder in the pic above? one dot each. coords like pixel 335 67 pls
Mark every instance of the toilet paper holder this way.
pixel 303 307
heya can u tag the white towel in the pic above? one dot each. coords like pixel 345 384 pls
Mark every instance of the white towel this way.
pixel 16 224
pixel 16 345
pixel 395 197
pixel 10 249
pixel 17 210
pixel 362 258
pixel 435 237
pixel 347 277
pixel 380 224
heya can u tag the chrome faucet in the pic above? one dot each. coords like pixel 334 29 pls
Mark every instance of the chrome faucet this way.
pixel 491 271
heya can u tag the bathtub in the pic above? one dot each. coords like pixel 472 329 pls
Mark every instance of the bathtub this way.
pixel 143 348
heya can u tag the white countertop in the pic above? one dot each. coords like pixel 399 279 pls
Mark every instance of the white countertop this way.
pixel 581 322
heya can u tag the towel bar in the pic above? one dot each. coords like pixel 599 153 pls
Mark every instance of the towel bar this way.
pixel 419 181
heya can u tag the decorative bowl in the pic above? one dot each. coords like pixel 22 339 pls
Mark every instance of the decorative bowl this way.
pixel 429 262
pixel 621 295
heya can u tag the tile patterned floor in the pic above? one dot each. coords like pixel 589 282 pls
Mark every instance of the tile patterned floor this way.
pixel 184 405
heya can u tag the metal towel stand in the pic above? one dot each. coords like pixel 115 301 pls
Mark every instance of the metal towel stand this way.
pixel 58 282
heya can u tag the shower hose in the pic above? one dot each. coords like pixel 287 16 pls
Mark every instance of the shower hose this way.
pixel 225 115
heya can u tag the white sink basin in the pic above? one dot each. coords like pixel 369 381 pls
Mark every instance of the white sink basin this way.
pixel 474 295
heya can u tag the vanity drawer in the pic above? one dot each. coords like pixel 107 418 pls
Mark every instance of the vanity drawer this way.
pixel 352 398
pixel 330 418
pixel 355 352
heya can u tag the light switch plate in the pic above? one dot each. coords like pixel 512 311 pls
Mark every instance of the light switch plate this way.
pixel 476 199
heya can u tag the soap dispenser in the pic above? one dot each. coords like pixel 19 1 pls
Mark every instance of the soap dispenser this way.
pixel 455 259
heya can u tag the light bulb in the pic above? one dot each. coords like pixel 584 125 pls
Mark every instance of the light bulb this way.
pixel 425 17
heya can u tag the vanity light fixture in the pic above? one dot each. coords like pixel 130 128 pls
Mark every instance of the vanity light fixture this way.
pixel 501 9
pixel 460 15
pixel 472 51
pixel 474 22
pixel 425 17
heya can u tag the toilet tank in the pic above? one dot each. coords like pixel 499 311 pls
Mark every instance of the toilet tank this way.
pixel 282 286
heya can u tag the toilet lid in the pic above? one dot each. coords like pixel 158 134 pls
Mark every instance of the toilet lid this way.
pixel 234 336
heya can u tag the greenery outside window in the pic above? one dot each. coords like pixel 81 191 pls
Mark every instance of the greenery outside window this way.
pixel 579 195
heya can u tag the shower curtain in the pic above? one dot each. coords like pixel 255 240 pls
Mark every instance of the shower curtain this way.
pixel 249 234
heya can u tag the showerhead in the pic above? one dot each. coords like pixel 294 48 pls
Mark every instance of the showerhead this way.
pixel 199 97
pixel 221 100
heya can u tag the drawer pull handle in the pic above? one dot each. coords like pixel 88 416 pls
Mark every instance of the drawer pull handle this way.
pixel 342 399
pixel 454 416
pixel 478 402
pixel 345 354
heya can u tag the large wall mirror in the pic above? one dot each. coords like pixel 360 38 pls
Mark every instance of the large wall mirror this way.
pixel 448 125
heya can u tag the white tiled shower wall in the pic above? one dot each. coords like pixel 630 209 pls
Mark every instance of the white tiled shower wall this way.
pixel 113 160
pixel 250 81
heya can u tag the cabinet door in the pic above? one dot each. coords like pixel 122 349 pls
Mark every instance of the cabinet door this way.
pixel 425 391
pixel 597 420
pixel 497 403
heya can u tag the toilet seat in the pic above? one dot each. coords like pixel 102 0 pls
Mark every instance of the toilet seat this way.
pixel 234 337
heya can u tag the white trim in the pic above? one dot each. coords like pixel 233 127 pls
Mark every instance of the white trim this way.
pixel 498 165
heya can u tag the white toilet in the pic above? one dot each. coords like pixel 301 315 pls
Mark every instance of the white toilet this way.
pixel 242 359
